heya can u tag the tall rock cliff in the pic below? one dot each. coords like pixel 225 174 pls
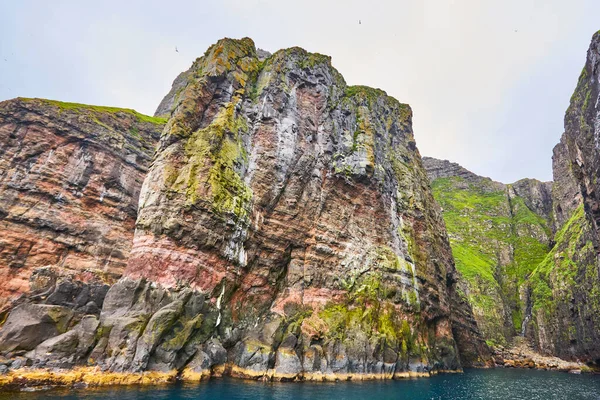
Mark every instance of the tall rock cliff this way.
pixel 566 286
pixel 263 195
pixel 70 177
pixel 499 234
pixel 286 229
pixel 528 252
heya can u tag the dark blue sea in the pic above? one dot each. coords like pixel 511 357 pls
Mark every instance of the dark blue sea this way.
pixel 473 384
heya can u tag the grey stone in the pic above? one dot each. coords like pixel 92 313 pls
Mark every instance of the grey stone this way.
pixel 28 325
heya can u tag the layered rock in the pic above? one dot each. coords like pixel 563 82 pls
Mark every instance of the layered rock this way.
pixel 530 250
pixel 499 234
pixel 70 177
pixel 566 286
pixel 286 230
pixel 263 196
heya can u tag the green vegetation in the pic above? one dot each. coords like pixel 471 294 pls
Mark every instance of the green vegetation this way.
pixel 497 242
pixel 567 273
pixel 478 221
pixel 306 59
pixel 372 96
pixel 560 262
pixel 215 154
pixel 79 108
pixel 379 321
pixel 580 102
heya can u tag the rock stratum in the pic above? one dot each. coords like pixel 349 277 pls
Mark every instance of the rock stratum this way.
pixel 527 252
pixel 70 178
pixel 285 229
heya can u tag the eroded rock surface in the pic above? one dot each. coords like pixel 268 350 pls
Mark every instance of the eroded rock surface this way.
pixel 285 230
pixel 70 177
pixel 566 286
pixel 299 206
pixel 528 252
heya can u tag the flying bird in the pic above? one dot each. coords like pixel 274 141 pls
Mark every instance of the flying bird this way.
pixel 359 21
pixel 176 49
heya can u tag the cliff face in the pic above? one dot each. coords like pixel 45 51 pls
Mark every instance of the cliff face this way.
pixel 566 286
pixel 499 234
pixel 263 195
pixel 70 177
pixel 528 252
pixel 285 229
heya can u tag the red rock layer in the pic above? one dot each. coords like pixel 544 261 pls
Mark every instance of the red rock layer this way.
pixel 70 177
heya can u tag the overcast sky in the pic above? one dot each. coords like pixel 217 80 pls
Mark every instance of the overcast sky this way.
pixel 488 81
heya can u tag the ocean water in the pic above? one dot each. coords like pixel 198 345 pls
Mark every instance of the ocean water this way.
pixel 473 384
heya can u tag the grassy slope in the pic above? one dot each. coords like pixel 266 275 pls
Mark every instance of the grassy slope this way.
pixel 77 107
pixel 496 244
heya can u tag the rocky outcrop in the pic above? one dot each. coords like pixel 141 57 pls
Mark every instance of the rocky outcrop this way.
pixel 70 177
pixel 499 234
pixel 582 133
pixel 286 230
pixel 522 355
pixel 566 196
pixel 262 197
pixel 437 169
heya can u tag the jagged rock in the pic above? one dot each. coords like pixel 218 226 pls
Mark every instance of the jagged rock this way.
pixel 73 345
pixel 70 176
pixel 566 286
pixel 528 252
pixel 437 169
pixel 287 362
pixel 200 364
pixel 262 195
pixel 210 355
pixel 252 357
pixel 28 325
pixel 19 362
pixel 156 328
pixel 566 195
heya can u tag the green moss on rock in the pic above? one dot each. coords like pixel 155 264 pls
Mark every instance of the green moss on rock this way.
pixel 81 108
pixel 497 242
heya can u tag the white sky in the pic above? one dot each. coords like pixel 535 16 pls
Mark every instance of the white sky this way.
pixel 488 81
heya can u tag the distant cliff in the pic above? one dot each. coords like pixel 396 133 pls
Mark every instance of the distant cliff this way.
pixel 499 234
pixel 527 252
pixel 566 286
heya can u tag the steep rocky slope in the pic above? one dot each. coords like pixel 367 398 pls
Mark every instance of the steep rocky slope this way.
pixel 566 285
pixel 286 229
pixel 499 234
pixel 263 195
pixel 528 254
pixel 70 177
